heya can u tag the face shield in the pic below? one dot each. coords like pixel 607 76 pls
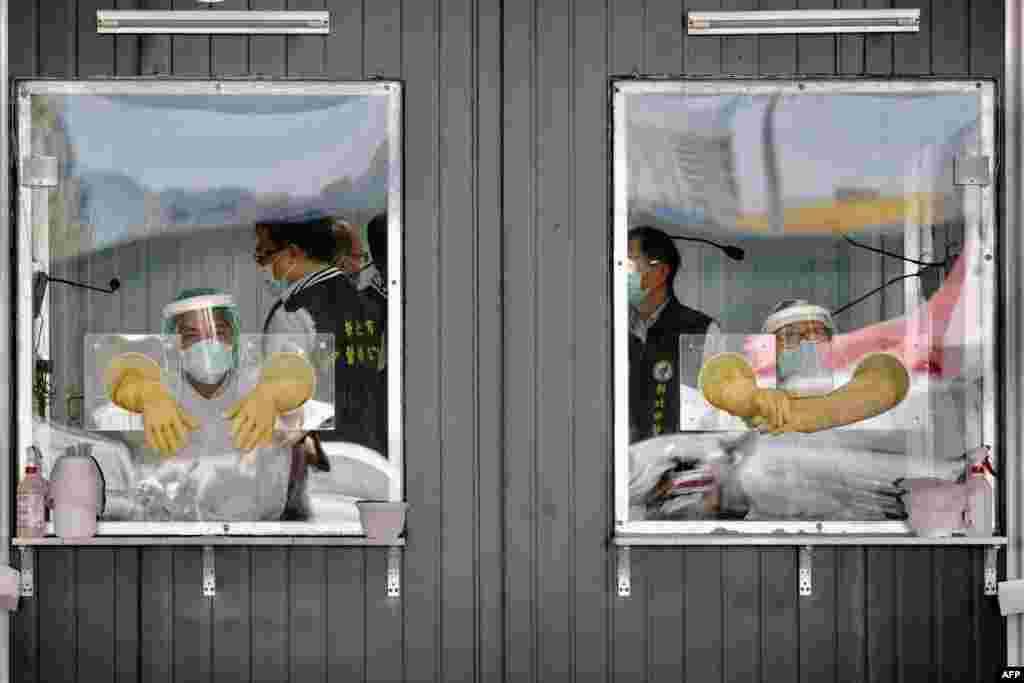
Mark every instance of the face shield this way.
pixel 205 325
pixel 803 346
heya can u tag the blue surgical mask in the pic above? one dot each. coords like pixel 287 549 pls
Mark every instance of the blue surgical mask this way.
pixel 276 286
pixel 207 361
pixel 636 293
pixel 801 370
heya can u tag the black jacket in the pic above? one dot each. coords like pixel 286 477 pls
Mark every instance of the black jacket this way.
pixel 656 368
pixel 357 320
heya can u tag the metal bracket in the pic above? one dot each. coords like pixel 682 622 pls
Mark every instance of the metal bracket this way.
pixel 804 581
pixel 991 557
pixel 27 586
pixel 622 579
pixel 971 170
pixel 209 573
pixel 39 171
pixel 394 586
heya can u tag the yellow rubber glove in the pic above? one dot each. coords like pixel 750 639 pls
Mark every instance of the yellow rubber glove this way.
pixel 878 384
pixel 286 382
pixel 133 382
pixel 728 383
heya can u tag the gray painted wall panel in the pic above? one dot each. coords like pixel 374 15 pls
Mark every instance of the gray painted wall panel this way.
pixel 232 616
pixel 553 486
pixel 95 615
pixel 155 50
pixel 156 616
pixel 267 53
pixel 269 609
pixel 508 573
pixel 307 616
pixel 345 607
pixel 456 256
pixel 591 514
pixel 817 617
pixel 850 50
pixel 521 385
pixel 816 54
pixel 425 451
pixel 777 54
pixel 705 615
pixel 192 624
pixel 665 598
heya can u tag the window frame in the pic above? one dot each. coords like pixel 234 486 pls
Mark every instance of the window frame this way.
pixel 670 532
pixel 22 90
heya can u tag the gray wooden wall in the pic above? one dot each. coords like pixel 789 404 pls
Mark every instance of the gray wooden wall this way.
pixel 508 388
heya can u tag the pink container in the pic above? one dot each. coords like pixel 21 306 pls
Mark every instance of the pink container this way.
pixel 10 585
pixel 74 521
pixel 382 520
pixel 78 495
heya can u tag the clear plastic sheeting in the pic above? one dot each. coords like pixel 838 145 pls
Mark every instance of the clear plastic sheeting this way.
pixel 255 352
pixel 841 236
pixel 128 206
pixel 847 476
pixel 719 466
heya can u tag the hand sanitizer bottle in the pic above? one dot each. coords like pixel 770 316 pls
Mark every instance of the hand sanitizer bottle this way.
pixel 32 502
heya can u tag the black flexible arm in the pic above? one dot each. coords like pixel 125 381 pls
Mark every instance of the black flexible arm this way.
pixel 875 291
pixel 115 284
pixel 883 252
pixel 733 252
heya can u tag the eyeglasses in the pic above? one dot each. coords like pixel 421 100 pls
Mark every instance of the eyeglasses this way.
pixel 641 264
pixel 791 338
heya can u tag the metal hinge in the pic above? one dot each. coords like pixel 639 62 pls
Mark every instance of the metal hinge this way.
pixel 622 578
pixel 804 580
pixel 27 586
pixel 394 585
pixel 991 583
pixel 39 171
pixel 209 573
pixel 971 170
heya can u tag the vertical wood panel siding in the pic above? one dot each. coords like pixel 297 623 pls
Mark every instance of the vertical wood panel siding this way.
pixel 1013 185
pixel 508 389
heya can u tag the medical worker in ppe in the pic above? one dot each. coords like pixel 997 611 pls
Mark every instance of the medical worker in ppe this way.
pixel 225 430
pixel 808 467
pixel 806 397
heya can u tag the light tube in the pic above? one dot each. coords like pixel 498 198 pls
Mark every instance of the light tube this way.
pixel 804 21
pixel 212 21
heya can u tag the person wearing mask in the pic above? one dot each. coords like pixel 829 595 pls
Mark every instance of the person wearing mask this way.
pixel 314 297
pixel 221 430
pixel 667 340
pixel 795 460
pixel 807 397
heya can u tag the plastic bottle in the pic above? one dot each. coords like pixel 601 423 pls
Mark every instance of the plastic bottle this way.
pixel 981 492
pixel 32 503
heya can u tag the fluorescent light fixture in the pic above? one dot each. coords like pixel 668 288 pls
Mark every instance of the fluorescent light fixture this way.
pixel 804 21
pixel 211 21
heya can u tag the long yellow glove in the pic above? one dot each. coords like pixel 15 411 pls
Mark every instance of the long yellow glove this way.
pixel 878 384
pixel 287 381
pixel 133 382
pixel 728 383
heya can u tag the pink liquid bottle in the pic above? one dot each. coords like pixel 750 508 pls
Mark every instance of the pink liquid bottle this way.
pixel 32 490
pixel 980 482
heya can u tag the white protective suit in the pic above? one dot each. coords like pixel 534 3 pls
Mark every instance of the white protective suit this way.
pixel 206 480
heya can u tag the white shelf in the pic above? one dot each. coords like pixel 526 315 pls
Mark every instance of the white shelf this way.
pixel 798 539
pixel 206 541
